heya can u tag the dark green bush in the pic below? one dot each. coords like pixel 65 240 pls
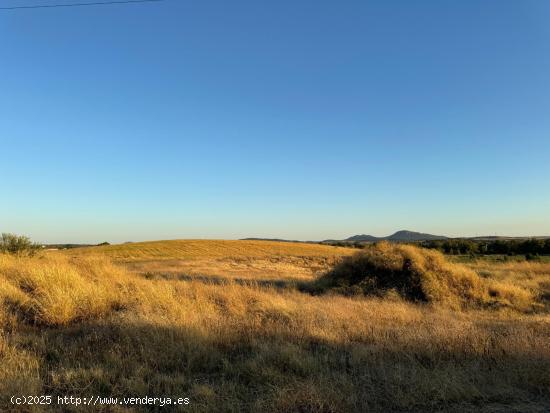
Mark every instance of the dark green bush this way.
pixel 17 245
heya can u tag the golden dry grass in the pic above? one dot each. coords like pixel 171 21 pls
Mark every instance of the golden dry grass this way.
pixel 75 324
pixel 210 249
pixel 423 275
pixel 529 276
pixel 238 260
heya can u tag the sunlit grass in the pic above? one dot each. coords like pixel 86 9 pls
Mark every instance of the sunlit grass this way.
pixel 210 249
pixel 76 323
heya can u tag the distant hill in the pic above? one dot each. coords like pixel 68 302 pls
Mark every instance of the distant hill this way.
pixel 362 238
pixel 269 239
pixel 505 238
pixel 65 246
pixel 399 236
pixel 413 236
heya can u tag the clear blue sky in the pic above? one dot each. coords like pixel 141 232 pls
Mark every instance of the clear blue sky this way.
pixel 294 119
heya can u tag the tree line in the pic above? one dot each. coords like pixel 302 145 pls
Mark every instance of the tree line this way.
pixel 461 246
pixel 532 246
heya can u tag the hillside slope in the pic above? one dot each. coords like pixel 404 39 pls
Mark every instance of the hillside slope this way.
pixel 399 236
pixel 216 259
pixel 201 249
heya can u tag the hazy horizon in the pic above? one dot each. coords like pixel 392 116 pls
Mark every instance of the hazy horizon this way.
pixel 342 237
pixel 304 121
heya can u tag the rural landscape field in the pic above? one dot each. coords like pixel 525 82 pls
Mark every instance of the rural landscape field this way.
pixel 274 207
pixel 263 326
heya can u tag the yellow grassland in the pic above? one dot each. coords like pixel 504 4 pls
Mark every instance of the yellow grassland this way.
pixel 75 323
pixel 241 260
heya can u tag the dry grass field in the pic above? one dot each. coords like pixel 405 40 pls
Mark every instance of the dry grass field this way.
pixel 261 261
pixel 260 326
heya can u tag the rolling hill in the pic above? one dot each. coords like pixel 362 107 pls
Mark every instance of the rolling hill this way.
pixel 209 249
pixel 399 236
pixel 219 259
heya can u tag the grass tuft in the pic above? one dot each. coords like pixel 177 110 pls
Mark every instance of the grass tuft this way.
pixel 417 274
pixel 56 291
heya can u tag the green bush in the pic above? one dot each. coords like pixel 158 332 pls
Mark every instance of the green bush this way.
pixel 17 245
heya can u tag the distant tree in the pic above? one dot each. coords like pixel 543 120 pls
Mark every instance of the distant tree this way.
pixel 103 243
pixel 17 245
pixel 533 246
pixel 483 248
pixel 500 247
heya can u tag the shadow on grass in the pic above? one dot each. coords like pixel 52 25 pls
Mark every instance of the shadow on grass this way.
pixel 240 370
pixel 220 280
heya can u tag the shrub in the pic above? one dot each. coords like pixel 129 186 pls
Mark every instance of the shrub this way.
pixel 416 274
pixel 17 245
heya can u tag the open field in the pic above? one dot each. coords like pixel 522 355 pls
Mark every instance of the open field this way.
pixel 279 262
pixel 209 249
pixel 226 324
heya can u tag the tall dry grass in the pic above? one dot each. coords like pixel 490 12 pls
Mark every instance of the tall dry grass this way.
pixel 54 291
pixel 85 326
pixel 528 276
pixel 422 275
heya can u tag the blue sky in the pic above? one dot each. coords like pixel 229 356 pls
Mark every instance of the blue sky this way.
pixel 303 120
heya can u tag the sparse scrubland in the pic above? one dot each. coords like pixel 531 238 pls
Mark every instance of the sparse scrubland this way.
pixel 423 275
pixel 393 328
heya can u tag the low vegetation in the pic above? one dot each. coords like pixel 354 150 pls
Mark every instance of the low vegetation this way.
pixel 529 247
pixel 17 245
pixel 77 324
pixel 420 275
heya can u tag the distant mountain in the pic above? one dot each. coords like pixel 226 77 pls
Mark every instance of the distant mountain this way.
pixel 413 236
pixel 399 236
pixel 363 238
